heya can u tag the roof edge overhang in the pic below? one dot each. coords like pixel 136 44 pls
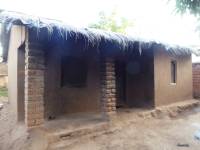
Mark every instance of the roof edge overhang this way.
pixel 92 37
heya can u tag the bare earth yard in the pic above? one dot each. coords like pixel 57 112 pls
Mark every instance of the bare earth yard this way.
pixel 153 134
pixel 143 134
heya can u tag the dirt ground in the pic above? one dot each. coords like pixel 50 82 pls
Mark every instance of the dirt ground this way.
pixel 144 134
pixel 12 136
pixel 153 134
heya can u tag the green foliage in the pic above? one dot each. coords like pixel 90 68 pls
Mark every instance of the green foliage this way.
pixel 112 22
pixel 3 92
pixel 191 6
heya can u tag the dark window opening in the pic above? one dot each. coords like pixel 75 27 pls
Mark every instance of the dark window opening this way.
pixel 73 72
pixel 173 71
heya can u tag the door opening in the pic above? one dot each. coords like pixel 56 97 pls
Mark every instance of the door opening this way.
pixel 120 70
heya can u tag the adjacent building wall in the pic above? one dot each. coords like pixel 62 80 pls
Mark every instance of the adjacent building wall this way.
pixel 3 75
pixel 17 37
pixel 3 68
pixel 165 92
pixel 3 81
pixel 196 79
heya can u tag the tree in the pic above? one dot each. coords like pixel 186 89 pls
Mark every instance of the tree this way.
pixel 191 6
pixel 112 22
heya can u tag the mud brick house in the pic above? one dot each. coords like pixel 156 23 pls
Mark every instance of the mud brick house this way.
pixel 55 69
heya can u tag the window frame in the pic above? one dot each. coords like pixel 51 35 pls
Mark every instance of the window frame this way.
pixel 173 72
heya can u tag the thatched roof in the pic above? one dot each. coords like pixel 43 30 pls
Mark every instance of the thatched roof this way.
pixel 92 37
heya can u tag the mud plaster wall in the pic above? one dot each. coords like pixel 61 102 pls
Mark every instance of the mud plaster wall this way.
pixel 65 100
pixel 165 92
pixel 15 86
pixel 196 79
pixel 139 80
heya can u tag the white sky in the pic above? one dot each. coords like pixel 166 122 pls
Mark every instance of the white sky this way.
pixel 152 18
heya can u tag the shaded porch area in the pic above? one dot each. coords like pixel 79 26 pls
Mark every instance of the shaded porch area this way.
pixel 135 80
pixel 76 121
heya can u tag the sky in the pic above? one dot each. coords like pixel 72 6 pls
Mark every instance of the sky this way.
pixel 153 19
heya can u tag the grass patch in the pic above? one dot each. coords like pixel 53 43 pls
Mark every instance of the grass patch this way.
pixel 3 92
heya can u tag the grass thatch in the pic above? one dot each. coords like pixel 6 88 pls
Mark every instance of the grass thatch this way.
pixel 92 37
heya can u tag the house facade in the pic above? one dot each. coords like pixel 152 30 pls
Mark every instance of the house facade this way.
pixel 50 76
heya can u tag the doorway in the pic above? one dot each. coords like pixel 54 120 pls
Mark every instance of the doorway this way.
pixel 120 71
pixel 21 83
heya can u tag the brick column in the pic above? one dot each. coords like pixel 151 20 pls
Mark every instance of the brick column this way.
pixel 108 87
pixel 34 84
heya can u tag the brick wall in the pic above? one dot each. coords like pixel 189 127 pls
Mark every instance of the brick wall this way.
pixel 108 86
pixel 196 79
pixel 34 84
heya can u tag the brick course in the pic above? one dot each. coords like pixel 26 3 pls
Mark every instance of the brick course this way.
pixel 108 86
pixel 34 84
pixel 196 79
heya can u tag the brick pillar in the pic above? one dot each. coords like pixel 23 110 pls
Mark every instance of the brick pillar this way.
pixel 108 87
pixel 34 84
